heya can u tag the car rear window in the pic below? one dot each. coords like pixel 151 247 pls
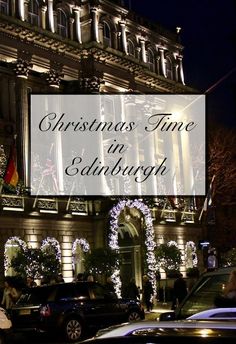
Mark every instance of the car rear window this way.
pixel 202 297
pixel 34 296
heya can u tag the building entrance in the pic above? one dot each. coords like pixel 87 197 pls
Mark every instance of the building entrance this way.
pixel 130 254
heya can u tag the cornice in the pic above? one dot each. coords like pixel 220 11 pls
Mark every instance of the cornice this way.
pixel 70 52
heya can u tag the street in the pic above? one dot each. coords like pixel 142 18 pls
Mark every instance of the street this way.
pixel 41 338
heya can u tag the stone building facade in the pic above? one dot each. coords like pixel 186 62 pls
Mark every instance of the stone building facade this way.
pixel 87 46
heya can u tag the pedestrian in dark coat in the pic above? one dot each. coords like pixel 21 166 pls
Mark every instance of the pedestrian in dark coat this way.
pixel 131 291
pixel 180 291
pixel 147 293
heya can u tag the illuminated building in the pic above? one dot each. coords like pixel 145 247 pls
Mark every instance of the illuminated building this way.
pixel 83 47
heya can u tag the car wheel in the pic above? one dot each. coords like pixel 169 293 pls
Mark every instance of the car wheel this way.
pixel 133 316
pixel 73 329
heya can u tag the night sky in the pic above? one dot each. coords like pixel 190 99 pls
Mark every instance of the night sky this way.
pixel 209 37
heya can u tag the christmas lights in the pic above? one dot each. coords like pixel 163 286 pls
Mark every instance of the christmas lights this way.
pixel 190 254
pixel 83 243
pixel 149 239
pixel 172 243
pixel 52 243
pixel 12 242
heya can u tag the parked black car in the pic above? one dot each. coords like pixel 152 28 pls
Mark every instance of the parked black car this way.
pixel 72 308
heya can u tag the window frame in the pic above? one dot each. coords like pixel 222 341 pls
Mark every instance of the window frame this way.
pixel 62 28
pixel 33 17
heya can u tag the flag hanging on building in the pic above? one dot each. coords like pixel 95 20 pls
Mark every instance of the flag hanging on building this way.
pixel 11 175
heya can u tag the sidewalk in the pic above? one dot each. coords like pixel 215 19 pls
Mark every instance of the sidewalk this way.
pixel 158 308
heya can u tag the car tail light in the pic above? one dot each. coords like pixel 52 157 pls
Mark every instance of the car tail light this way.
pixel 45 311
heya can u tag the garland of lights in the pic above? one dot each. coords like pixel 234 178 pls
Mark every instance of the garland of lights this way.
pixel 190 245
pixel 84 245
pixel 149 241
pixel 12 240
pixel 54 244
pixel 172 243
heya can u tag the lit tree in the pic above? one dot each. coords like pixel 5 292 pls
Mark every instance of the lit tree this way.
pixel 101 261
pixel 168 258
pixel 36 263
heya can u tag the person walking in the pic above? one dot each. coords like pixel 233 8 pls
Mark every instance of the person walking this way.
pixel 131 291
pixel 147 293
pixel 180 291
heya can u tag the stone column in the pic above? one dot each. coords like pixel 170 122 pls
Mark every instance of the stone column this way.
pixel 77 24
pixel 157 60
pixel 137 53
pixel 26 3
pixel 176 67
pixel 21 9
pixel 43 16
pixel 94 24
pixel 163 64
pixel 143 50
pixel 123 37
pixel 51 16
pixel 13 8
pixel 22 121
pixel 181 72
pixel 132 156
pixel 71 28
pixel 148 145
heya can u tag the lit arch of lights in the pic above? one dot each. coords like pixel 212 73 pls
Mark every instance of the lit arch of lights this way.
pixel 149 238
pixel 190 246
pixel 55 246
pixel 19 243
pixel 83 244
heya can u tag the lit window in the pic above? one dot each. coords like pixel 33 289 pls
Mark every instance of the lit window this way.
pixel 33 12
pixel 150 60
pixel 13 246
pixel 106 34
pixel 4 6
pixel 61 23
pixel 169 70
pixel 131 49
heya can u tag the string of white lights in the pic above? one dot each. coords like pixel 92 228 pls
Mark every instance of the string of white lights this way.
pixel 149 239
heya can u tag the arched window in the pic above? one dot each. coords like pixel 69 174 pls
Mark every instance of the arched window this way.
pixel 33 12
pixel 79 249
pixel 61 23
pixel 169 69
pixel 106 34
pixel 12 247
pixel 150 60
pixel 131 48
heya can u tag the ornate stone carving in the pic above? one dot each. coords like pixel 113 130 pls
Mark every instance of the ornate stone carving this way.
pixel 53 78
pixel 22 68
pixel 90 85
